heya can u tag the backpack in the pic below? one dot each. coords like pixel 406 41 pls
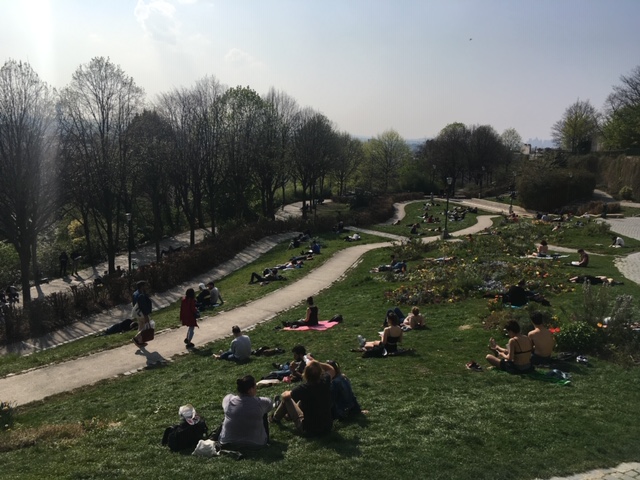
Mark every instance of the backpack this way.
pixel 184 436
pixel 337 318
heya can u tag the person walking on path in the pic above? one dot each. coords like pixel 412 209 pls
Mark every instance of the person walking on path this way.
pixel 64 260
pixel 142 304
pixel 189 315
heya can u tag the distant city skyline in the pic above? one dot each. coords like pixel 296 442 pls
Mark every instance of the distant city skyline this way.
pixel 369 66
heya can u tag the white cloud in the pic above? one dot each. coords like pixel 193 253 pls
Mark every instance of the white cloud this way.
pixel 157 19
pixel 241 58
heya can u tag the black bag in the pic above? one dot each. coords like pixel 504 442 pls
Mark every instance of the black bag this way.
pixel 337 318
pixel 184 436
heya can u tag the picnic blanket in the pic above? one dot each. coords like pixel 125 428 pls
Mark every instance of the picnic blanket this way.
pixel 547 257
pixel 322 325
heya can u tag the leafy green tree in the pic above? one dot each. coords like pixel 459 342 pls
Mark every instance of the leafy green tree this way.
pixel 28 172
pixel 387 154
pixel 622 123
pixel 622 128
pixel 577 128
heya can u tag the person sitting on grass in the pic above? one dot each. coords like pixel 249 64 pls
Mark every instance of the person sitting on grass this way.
pixel 293 369
pixel 618 242
pixel 389 339
pixel 516 296
pixel 543 249
pixel 344 404
pixel 245 422
pixel 240 350
pixel 542 339
pixel 203 300
pixel 308 405
pixel 414 320
pixel 584 259
pixel 310 319
pixel 516 358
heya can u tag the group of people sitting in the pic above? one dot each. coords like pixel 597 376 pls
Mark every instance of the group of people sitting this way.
pixel 324 394
pixel 523 352
pixel 394 326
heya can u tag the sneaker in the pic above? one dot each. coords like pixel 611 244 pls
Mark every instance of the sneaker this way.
pixel 186 341
pixel 361 341
pixel 190 345
pixel 277 366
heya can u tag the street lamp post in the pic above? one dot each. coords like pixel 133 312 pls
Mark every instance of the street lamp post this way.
pixel 128 215
pixel 445 233
pixel 512 195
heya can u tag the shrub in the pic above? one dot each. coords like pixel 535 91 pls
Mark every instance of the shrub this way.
pixel 626 193
pixel 548 189
pixel 6 415
pixel 578 337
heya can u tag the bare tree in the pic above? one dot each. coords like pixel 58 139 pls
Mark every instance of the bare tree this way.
pixel 282 111
pixel 187 168
pixel 152 149
pixel 95 112
pixel 349 157
pixel 208 109
pixel 312 150
pixel 27 162
pixel 242 118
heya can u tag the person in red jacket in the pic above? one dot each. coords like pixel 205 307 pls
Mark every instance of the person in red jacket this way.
pixel 189 315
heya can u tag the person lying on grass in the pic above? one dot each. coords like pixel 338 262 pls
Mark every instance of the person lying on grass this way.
pixel 595 280
pixel 516 358
pixel 308 405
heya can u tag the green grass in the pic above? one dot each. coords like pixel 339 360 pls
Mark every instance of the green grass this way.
pixel 234 288
pixel 414 210
pixel 429 416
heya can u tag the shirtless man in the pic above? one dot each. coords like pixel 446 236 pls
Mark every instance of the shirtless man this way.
pixel 542 340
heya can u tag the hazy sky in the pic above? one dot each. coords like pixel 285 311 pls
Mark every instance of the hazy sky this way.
pixel 369 66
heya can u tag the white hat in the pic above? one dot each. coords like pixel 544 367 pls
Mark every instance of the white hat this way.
pixel 189 414
pixel 201 286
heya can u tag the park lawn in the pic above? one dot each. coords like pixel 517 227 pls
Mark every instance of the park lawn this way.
pixel 414 210
pixel 234 288
pixel 429 415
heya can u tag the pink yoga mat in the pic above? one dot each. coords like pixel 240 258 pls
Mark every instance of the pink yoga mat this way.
pixel 322 325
